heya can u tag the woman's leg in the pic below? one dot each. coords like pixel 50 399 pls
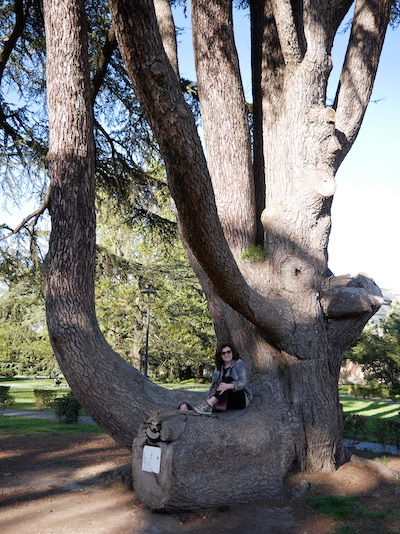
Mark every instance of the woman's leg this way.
pixel 220 395
pixel 236 400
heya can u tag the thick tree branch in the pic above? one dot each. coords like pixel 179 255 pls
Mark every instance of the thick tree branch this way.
pixel 371 18
pixel 339 10
pixel 167 30
pixel 287 31
pixel 348 303
pixel 268 67
pixel 224 117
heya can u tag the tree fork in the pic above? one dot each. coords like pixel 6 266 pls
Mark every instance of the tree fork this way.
pixel 281 310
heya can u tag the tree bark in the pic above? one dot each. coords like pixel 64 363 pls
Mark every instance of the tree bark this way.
pixel 167 30
pixel 223 106
pixel 359 70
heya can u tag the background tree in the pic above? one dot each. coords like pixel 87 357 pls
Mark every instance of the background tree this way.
pixel 181 331
pixel 378 351
pixel 24 341
pixel 290 317
pixel 126 152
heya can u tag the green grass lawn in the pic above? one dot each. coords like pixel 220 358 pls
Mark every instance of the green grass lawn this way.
pixel 25 398
pixel 21 425
pixel 189 385
pixel 370 408
pixel 23 391
pixel 40 383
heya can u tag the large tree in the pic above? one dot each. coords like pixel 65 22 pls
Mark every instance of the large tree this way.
pixel 267 197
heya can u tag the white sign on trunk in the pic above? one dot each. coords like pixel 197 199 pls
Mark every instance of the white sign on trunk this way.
pixel 151 459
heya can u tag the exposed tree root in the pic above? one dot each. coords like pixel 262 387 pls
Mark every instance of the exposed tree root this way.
pixel 383 470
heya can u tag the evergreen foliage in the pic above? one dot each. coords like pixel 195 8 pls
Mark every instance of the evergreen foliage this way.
pixel 6 399
pixel 181 333
pixel 128 257
pixel 67 409
pixel 24 342
pixel 378 351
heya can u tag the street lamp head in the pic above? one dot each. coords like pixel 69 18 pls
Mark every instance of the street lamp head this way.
pixel 149 290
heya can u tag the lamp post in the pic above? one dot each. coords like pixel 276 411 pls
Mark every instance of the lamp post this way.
pixel 148 290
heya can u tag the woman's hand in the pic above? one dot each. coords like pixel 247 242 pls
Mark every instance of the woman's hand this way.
pixel 224 386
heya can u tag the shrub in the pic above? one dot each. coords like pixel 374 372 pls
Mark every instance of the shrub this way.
pixel 373 391
pixel 43 398
pixel 394 431
pixel 359 428
pixel 67 408
pixel 353 427
pixel 7 370
pixel 382 431
pixel 6 400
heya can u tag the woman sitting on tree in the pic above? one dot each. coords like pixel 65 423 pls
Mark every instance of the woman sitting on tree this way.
pixel 229 385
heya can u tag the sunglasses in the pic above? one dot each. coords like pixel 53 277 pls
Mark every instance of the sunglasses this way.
pixel 226 352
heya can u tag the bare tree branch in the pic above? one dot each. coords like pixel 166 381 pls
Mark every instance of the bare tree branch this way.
pixel 34 215
pixel 340 8
pixel 21 15
pixel 104 60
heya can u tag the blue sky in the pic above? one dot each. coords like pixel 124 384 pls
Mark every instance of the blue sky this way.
pixel 367 201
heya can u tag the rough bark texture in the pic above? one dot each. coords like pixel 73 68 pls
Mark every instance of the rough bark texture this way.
pixel 289 316
pixel 223 105
pixel 194 467
pixel 167 30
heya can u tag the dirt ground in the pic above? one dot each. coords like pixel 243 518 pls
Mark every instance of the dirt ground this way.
pixel 79 484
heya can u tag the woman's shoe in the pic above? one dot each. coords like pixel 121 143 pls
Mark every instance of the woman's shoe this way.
pixel 203 408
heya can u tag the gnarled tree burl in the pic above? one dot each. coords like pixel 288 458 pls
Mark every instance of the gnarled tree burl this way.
pixel 289 316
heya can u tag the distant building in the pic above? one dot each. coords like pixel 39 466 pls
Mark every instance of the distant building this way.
pixel 389 296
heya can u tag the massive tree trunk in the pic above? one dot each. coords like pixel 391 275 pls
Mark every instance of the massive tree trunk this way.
pixel 113 392
pixel 289 316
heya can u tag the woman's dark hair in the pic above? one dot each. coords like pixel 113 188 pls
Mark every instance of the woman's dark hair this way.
pixel 218 355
